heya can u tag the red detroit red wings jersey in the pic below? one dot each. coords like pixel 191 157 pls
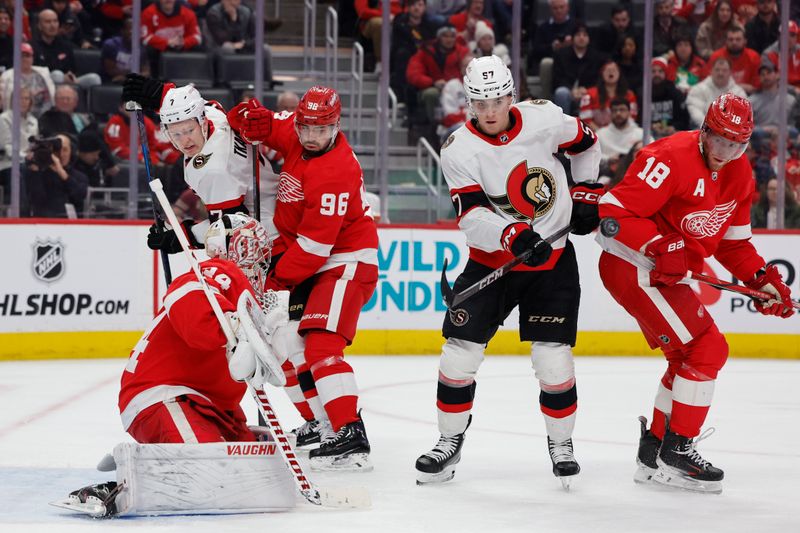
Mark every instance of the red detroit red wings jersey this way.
pixel 320 210
pixel 183 350
pixel 669 189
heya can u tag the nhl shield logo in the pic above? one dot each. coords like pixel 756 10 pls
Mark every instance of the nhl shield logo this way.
pixel 48 260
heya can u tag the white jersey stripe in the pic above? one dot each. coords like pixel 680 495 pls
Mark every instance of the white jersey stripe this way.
pixel 737 233
pixel 182 291
pixel 663 306
pixel 181 422
pixel 609 198
pixel 337 299
pixel 152 396
pixel 694 393
pixel 368 256
pixel 335 386
pixel 310 246
pixel 663 399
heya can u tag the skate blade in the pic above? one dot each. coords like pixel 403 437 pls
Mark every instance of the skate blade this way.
pixel 643 474
pixel 424 478
pixel 670 478
pixel 566 481
pixel 354 462
pixel 93 507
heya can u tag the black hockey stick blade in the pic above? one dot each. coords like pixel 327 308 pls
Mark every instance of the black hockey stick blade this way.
pixel 447 291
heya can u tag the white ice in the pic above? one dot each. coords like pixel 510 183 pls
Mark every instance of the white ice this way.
pixel 60 417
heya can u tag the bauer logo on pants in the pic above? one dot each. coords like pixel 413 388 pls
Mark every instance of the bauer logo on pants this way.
pixel 48 260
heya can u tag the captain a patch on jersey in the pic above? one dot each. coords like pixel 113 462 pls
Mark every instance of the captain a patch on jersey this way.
pixel 530 192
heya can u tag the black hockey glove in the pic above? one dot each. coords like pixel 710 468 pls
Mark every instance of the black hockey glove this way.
pixel 165 239
pixel 585 217
pixel 145 91
pixel 519 238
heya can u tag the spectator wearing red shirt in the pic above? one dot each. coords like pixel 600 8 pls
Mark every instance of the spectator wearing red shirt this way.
pixel 117 137
pixel 370 22
pixel 744 61
pixel 434 65
pixel 168 26
pixel 684 66
pixel 713 31
pixel 771 55
pixel 596 103
pixel 465 22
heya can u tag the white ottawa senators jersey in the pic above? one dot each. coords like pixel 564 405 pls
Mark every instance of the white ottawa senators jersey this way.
pixel 222 173
pixel 514 177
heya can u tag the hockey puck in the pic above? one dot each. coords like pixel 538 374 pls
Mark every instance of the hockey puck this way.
pixel 609 227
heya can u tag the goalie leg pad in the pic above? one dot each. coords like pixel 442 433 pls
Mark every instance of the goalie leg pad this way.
pixel 214 478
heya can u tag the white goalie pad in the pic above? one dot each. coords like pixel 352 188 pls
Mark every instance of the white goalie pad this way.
pixel 253 324
pixel 213 478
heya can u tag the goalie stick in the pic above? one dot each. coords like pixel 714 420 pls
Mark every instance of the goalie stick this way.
pixel 451 299
pixel 330 497
pixel 134 107
pixel 609 227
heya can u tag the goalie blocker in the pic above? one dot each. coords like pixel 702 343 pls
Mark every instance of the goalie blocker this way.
pixel 215 478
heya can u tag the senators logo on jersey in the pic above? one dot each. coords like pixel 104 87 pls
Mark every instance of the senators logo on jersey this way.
pixel 707 223
pixel 200 160
pixel 530 192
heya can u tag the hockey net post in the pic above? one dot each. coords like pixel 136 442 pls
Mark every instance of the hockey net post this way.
pixel 355 497
pixel 609 227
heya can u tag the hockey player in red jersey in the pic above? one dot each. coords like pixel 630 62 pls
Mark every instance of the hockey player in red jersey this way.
pixel 330 263
pixel 509 191
pixel 685 198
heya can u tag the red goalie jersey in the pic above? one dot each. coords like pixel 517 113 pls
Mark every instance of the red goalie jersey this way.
pixel 183 350
pixel 669 189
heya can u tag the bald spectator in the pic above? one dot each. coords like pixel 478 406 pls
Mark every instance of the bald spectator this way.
pixel 287 101
pixel 54 52
pixel 70 27
pixel 36 79
pixel 63 117
pixel 701 95
pixel 551 35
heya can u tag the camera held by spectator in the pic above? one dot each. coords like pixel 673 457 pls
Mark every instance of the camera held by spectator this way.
pixel 42 150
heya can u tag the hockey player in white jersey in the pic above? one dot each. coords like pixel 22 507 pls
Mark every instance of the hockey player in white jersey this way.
pixel 509 190
pixel 217 162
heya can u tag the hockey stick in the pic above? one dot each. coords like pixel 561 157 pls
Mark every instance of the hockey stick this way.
pixel 451 299
pixel 331 497
pixel 610 227
pixel 256 182
pixel 136 108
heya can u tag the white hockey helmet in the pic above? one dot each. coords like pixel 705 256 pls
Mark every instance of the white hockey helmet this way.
pixel 243 240
pixel 487 78
pixel 182 103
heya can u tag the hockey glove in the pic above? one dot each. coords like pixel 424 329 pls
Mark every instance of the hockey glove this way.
pixel 669 253
pixel 770 280
pixel 520 238
pixel 585 217
pixel 252 120
pixel 165 239
pixel 147 92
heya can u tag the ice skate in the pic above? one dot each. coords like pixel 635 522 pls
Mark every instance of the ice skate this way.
pixel 681 466
pixel 347 449
pixel 646 457
pixel 565 467
pixel 95 500
pixel 439 464
pixel 312 433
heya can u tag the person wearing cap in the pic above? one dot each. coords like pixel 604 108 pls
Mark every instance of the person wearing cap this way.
pixel 771 55
pixel 485 44
pixel 370 22
pixel 69 25
pixel 763 29
pixel 91 160
pixel 719 82
pixel 575 68
pixel 434 65
pixel 35 78
pixel 766 101
pixel 667 102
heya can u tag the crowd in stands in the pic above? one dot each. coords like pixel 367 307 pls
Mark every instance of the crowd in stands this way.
pixel 594 70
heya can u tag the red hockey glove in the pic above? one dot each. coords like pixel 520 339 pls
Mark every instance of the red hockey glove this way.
pixel 519 238
pixel 252 120
pixel 669 253
pixel 585 197
pixel 770 280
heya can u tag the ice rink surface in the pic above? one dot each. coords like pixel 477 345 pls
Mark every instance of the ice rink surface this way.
pixel 60 417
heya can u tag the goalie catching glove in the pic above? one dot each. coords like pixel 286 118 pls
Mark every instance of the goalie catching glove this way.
pixel 770 280
pixel 253 359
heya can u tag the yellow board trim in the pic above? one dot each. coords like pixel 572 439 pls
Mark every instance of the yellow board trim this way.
pixel 102 344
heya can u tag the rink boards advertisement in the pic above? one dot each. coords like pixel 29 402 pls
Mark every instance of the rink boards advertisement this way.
pixel 88 289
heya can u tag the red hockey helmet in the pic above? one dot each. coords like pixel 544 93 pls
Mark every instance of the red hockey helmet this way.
pixel 730 117
pixel 320 106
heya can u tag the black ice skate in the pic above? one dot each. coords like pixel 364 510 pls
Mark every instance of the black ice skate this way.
pixel 439 464
pixel 347 449
pixel 311 433
pixel 95 500
pixel 679 465
pixel 565 467
pixel 648 451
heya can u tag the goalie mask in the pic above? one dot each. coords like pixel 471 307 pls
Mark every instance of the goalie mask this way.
pixel 244 241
